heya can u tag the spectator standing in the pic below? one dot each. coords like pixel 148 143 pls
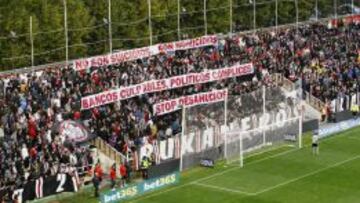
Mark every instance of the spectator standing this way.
pixel 97 178
pixel 145 164
pixel 2 134
pixel 113 175
pixel 124 174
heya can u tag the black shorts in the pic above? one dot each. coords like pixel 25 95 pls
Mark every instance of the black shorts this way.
pixel 315 145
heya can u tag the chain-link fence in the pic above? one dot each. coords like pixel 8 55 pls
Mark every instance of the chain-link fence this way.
pixel 104 27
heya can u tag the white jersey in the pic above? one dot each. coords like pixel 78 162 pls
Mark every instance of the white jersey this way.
pixel 315 139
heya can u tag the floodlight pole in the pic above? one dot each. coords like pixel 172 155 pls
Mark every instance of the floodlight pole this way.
pixel 66 33
pixel 231 16
pixel 110 26
pixel 276 15
pixel 178 20
pixel 205 18
pixel 297 16
pixel 352 7
pixel 150 24
pixel 317 10
pixel 335 9
pixel 254 13
pixel 31 42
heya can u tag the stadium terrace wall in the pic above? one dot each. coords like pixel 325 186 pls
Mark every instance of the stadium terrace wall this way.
pixel 328 130
pixel 131 191
pixel 164 168
pixel 42 187
pixel 310 125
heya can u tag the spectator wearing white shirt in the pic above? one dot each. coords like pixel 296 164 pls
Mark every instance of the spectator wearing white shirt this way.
pixel 24 152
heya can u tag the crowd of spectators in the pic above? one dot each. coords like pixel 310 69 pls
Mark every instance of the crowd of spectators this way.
pixel 332 69
pixel 326 60
pixel 29 146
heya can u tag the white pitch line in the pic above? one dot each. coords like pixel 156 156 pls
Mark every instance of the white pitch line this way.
pixel 308 175
pixel 160 192
pixel 251 163
pixel 223 172
pixel 354 138
pixel 224 189
pixel 212 176
pixel 266 151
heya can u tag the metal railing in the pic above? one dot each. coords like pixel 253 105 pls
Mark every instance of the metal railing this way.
pixel 309 98
pixel 314 102
pixel 108 150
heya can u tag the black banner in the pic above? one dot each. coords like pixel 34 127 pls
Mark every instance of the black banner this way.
pixel 42 187
pixel 164 168
pixel 310 125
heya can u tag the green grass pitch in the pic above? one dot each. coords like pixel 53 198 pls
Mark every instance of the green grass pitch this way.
pixel 281 175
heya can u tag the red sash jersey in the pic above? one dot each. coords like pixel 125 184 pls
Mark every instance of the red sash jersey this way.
pixel 112 173
pixel 98 171
pixel 123 170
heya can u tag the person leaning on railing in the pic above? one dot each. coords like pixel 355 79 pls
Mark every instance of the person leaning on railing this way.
pixel 112 175
pixel 326 113
pixel 355 110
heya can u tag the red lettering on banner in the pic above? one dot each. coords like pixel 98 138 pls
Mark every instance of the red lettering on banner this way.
pixel 177 82
pixel 115 96
pixel 100 61
pixel 171 105
pixel 154 86
pixel 144 52
pixel 122 93
pixel 197 42
pixel 130 55
pixel 166 106
pixel 191 100
pixel 213 39
pixel 202 77
pixel 206 97
pixel 212 97
pixel 92 102
pixel 158 109
pixel 181 101
pixel 85 103
pixel 166 47
pixel 98 100
pixel 81 64
pixel 128 92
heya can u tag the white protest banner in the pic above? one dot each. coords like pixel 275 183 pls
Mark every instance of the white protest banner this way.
pixel 139 53
pixel 209 40
pixel 114 58
pixel 190 100
pixel 122 93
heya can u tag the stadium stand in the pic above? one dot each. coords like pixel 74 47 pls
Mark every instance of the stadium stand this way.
pixel 326 60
